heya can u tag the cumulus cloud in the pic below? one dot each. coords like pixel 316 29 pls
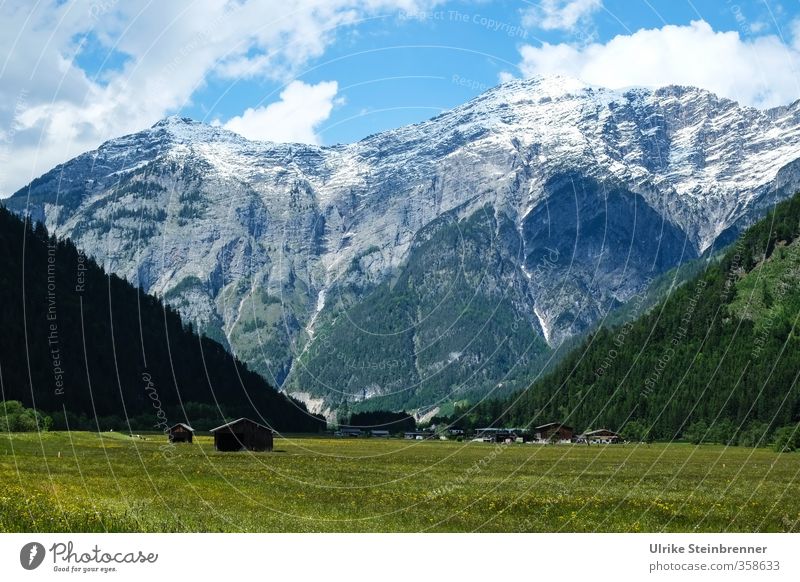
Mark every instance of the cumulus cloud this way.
pixel 505 77
pixel 53 108
pixel 761 71
pixel 560 14
pixel 295 118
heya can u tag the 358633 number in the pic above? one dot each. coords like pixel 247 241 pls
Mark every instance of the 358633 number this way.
pixel 760 565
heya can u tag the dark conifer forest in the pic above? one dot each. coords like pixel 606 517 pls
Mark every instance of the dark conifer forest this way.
pixel 717 359
pixel 94 352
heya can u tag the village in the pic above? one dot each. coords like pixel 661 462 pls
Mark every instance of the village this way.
pixel 244 434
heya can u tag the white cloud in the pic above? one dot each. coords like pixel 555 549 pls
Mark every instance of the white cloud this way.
pixel 295 118
pixel 51 109
pixel 560 14
pixel 505 77
pixel 761 71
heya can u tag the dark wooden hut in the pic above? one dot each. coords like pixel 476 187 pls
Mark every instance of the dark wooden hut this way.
pixel 554 432
pixel 180 433
pixel 242 435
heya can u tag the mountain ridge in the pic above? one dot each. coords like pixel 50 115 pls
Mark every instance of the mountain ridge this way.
pixel 269 246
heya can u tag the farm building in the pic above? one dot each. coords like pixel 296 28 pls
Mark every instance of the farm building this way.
pixel 418 435
pixel 350 432
pixel 601 436
pixel 502 435
pixel 553 432
pixel 180 433
pixel 242 435
pixel 380 433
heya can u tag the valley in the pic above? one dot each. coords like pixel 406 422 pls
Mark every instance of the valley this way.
pixel 452 259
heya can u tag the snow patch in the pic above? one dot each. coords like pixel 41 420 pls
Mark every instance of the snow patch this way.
pixel 320 306
pixel 546 330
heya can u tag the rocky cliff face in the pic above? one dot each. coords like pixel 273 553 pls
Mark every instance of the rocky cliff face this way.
pixel 436 261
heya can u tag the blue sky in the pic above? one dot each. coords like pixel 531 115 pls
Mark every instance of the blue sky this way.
pixel 329 71
pixel 392 71
pixel 399 67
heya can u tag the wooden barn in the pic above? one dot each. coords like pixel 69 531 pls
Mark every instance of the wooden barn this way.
pixel 601 436
pixel 554 432
pixel 242 435
pixel 180 433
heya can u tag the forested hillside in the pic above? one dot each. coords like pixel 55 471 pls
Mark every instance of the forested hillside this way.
pixel 80 341
pixel 721 352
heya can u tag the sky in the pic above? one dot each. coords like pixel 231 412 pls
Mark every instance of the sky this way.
pixel 76 73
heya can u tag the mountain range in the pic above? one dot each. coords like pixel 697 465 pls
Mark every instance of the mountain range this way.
pixel 441 261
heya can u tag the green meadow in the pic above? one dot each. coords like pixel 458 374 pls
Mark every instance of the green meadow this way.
pixel 80 481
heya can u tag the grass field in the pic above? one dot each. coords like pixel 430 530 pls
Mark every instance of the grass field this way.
pixel 111 482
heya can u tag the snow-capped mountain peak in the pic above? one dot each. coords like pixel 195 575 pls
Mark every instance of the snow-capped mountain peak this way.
pixel 570 196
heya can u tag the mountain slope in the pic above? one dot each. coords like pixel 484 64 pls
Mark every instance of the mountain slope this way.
pixel 723 348
pixel 572 198
pixel 81 342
